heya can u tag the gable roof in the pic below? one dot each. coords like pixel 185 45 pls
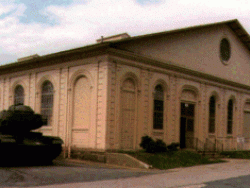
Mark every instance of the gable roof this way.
pixel 103 48
pixel 235 25
pixel 109 48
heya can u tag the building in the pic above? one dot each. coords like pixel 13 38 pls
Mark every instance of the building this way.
pixel 190 86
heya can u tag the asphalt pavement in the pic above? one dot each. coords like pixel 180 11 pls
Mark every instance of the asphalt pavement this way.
pixel 233 171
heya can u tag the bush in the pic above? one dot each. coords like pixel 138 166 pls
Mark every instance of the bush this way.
pixel 173 147
pixel 160 146
pixel 148 144
pixel 145 140
pixel 152 146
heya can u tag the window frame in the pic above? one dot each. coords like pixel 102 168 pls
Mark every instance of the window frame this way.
pixel 158 107
pixel 19 96
pixel 225 50
pixel 47 102
pixel 230 113
pixel 212 115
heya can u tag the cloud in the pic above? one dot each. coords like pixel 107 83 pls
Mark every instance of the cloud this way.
pixel 5 8
pixel 82 22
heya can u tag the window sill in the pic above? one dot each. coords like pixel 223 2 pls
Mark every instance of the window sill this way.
pixel 161 131
pixel 211 135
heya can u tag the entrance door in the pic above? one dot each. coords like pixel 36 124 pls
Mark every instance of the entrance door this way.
pixel 187 125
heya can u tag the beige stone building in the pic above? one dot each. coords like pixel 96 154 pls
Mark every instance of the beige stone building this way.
pixel 190 86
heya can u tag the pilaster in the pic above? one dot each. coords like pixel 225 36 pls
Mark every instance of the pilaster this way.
pixel 202 105
pixel 174 103
pixel 144 124
pixel 63 82
pixel 111 116
pixel 32 90
pixel 102 105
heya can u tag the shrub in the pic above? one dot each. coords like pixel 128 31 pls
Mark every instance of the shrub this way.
pixel 151 146
pixel 148 144
pixel 160 146
pixel 145 140
pixel 174 146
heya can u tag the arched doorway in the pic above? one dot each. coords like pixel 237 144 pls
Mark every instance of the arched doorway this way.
pixel 187 118
pixel 128 102
pixel 81 113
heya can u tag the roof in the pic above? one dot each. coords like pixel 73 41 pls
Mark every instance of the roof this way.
pixel 235 25
pixel 101 48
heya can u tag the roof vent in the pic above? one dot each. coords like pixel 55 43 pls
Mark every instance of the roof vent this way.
pixel 113 38
pixel 28 57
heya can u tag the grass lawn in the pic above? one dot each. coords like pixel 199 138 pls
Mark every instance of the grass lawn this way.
pixel 173 159
pixel 236 154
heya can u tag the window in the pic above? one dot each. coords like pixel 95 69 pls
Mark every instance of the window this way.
pixel 19 95
pixel 225 50
pixel 212 109
pixel 230 117
pixel 158 107
pixel 47 102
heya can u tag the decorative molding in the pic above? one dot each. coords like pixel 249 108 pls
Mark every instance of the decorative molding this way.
pixel 177 71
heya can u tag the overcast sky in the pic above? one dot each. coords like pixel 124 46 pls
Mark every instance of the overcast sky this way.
pixel 42 27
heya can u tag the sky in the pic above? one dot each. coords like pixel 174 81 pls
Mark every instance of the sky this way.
pixel 29 27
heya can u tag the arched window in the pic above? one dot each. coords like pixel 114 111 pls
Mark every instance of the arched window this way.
pixel 230 117
pixel 47 102
pixel 19 95
pixel 212 110
pixel 158 107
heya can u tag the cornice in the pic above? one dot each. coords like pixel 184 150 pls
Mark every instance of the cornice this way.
pixel 106 49
pixel 173 67
pixel 56 58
